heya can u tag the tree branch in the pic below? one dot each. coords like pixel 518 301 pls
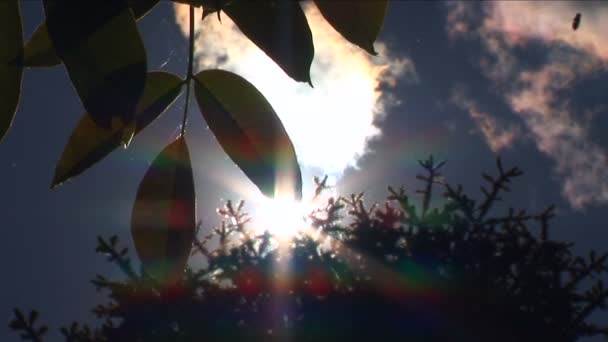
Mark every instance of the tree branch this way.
pixel 189 75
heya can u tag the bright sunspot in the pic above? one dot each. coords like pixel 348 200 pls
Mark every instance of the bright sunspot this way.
pixel 330 125
pixel 283 217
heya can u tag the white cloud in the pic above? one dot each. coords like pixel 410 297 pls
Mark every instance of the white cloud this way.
pixel 497 134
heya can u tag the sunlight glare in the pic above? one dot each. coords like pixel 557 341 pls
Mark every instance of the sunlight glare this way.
pixel 283 217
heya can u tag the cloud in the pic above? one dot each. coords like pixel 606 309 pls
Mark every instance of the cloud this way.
pixel 559 135
pixel 550 22
pixel 497 134
pixel 541 94
pixel 461 18
pixel 330 124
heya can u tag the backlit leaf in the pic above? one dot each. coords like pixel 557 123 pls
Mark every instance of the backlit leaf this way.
pixel 163 220
pixel 280 29
pixel 11 46
pixel 249 130
pixel 39 51
pixel 89 143
pixel 359 21
pixel 104 55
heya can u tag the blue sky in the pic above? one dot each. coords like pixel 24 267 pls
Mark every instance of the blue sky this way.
pixel 507 79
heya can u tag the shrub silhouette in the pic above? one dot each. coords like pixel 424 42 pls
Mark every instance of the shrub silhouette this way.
pixel 458 271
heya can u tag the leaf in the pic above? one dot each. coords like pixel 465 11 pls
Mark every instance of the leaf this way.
pixel 163 220
pixel 104 55
pixel 249 130
pixel 11 46
pixel 141 7
pixel 89 143
pixel 359 21
pixel 280 29
pixel 39 51
pixel 195 3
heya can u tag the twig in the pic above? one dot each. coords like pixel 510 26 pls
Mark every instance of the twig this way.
pixel 189 75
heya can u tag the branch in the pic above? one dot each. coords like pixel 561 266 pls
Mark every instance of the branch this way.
pixel 189 75
pixel 27 326
pixel 597 300
pixel 432 169
pixel 497 185
pixel 594 265
pixel 109 248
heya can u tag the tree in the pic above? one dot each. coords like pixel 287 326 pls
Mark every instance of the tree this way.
pixel 99 44
pixel 458 271
pixel 454 272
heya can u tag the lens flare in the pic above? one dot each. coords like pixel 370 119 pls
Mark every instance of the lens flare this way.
pixel 283 217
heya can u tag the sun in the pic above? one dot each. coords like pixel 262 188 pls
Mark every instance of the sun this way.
pixel 282 216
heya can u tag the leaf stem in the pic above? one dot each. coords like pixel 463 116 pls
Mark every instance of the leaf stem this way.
pixel 189 75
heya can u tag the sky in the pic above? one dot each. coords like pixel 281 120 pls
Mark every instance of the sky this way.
pixel 464 81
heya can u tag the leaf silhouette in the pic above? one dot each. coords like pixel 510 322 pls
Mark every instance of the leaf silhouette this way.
pixel 280 29
pixel 196 3
pixel 359 21
pixel 39 50
pixel 141 7
pixel 249 130
pixel 89 143
pixel 163 220
pixel 11 46
pixel 104 55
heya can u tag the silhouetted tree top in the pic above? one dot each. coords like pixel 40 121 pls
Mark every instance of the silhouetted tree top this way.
pixel 406 270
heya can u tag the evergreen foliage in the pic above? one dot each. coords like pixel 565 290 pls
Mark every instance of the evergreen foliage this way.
pixel 458 271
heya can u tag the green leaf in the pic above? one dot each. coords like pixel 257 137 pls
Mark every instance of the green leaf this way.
pixel 249 130
pixel 11 46
pixel 359 21
pixel 163 220
pixel 280 29
pixel 39 51
pixel 89 143
pixel 100 45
